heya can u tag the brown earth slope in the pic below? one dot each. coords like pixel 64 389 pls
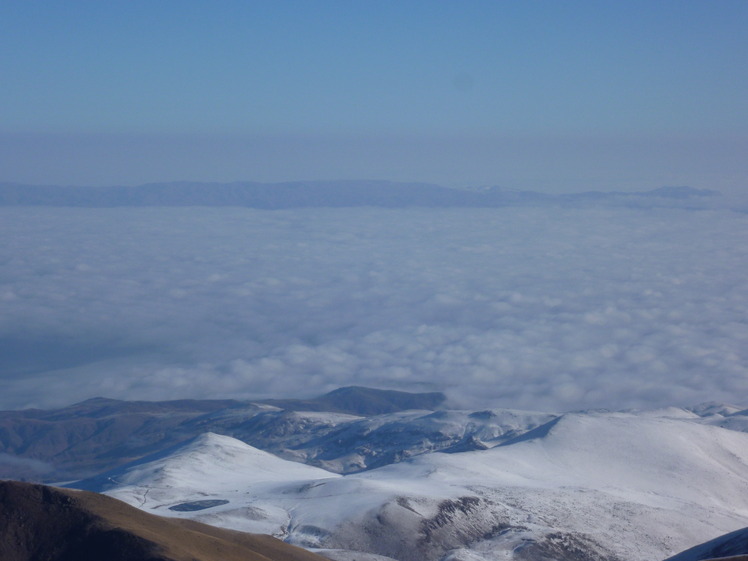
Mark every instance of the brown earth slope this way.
pixel 41 523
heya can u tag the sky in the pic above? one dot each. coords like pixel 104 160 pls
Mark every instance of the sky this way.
pixel 553 96
pixel 542 308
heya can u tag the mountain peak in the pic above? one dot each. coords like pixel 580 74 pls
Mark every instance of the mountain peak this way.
pixel 358 400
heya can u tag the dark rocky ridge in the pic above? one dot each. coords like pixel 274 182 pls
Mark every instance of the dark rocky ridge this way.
pixel 40 523
pixel 732 547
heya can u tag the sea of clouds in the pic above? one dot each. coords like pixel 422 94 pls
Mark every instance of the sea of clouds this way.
pixel 531 308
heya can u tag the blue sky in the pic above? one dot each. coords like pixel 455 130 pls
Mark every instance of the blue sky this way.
pixel 558 96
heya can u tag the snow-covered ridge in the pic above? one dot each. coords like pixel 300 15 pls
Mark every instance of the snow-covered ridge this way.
pixel 216 457
pixel 99 435
pixel 634 486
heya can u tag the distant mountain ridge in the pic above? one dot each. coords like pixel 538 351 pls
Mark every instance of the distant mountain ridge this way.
pixel 100 433
pixel 357 400
pixel 328 194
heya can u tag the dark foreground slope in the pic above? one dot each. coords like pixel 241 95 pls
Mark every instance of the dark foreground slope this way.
pixel 41 523
pixel 732 546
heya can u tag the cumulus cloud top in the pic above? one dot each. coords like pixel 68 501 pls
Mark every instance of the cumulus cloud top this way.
pixel 536 308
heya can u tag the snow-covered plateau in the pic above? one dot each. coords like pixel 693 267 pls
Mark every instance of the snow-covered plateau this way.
pixel 602 486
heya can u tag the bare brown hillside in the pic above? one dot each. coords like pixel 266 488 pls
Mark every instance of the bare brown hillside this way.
pixel 42 523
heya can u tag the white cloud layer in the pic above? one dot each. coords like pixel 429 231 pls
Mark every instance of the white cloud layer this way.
pixel 550 309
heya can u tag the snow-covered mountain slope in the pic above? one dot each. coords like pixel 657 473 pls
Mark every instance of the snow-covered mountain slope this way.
pixel 722 415
pixel 596 486
pixel 221 458
pixel 100 434
pixel 357 444
pixel 210 472
pixel 345 443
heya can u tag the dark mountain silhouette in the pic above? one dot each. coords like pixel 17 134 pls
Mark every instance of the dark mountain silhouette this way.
pixel 357 400
pixel 40 523
pixel 329 194
pixel 732 546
